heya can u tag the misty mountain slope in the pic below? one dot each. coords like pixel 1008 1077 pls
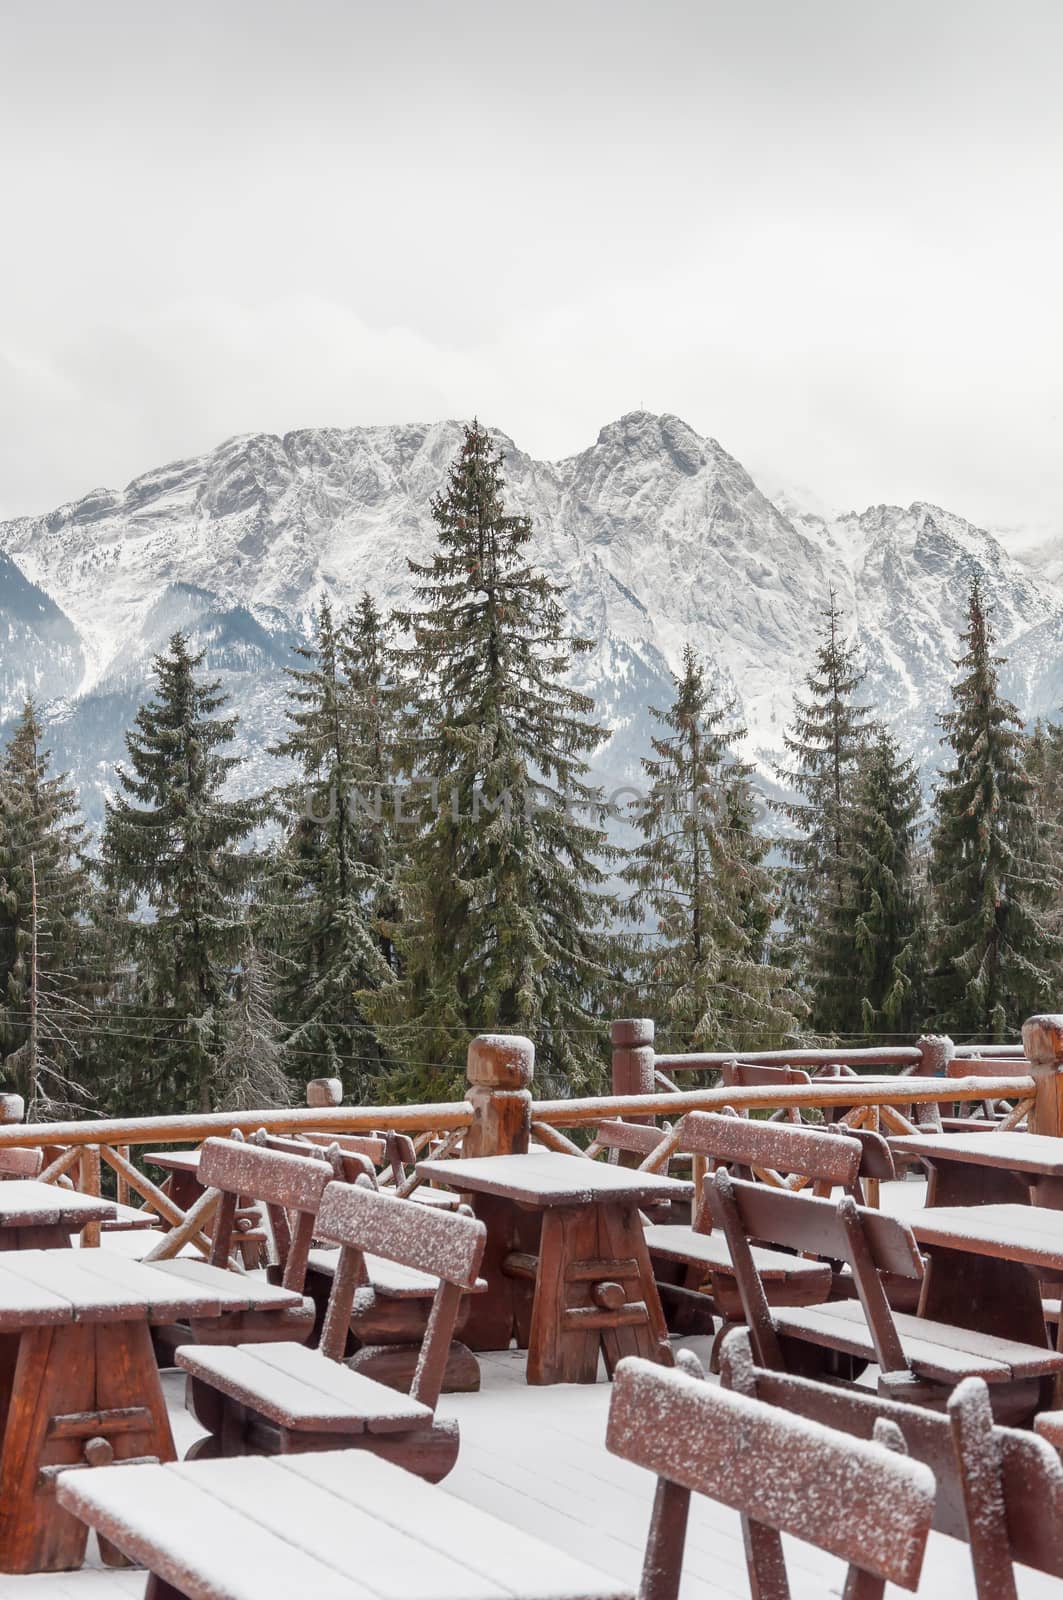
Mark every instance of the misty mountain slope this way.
pixel 658 536
pixel 40 648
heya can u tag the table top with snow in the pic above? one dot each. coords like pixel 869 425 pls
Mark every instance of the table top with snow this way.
pixel 546 1178
pixel 1021 1152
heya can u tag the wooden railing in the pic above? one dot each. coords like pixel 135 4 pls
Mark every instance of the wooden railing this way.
pixel 499 1114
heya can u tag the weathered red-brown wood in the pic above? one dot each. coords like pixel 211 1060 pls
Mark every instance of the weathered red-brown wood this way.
pixel 596 1222
pixel 282 1398
pixel 937 1349
pixel 1042 1039
pixel 759 1459
pixel 499 1069
pixel 79 1385
pixel 210 1530
pixel 998 1489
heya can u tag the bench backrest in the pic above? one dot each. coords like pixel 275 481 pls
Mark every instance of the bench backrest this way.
pixel 347 1165
pixel 775 1146
pixel 449 1245
pixel 874 1512
pixel 998 1489
pixel 282 1182
pixel 20 1162
pixel 869 1241
pixel 751 1075
pixel 632 1138
pixel 371 1145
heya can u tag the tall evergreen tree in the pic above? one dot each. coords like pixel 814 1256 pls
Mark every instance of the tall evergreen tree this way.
pixel 505 903
pixel 335 875
pixel 829 731
pixel 996 951
pixel 698 872
pixel 45 888
pixel 870 949
pixel 173 856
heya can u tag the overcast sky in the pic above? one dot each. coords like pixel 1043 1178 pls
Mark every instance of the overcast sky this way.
pixel 827 232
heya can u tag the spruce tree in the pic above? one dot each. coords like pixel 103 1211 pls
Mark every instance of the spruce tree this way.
pixel 334 877
pixel 829 731
pixel 870 948
pixel 996 949
pixel 175 858
pixel 504 883
pixel 698 873
pixel 45 941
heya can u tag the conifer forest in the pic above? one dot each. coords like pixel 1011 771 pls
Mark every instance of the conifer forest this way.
pixel 441 863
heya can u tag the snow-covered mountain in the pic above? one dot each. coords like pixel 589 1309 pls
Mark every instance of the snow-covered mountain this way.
pixel 659 536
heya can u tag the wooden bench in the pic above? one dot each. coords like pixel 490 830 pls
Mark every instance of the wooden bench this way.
pixel 998 1489
pixel 874 1512
pixel 392 1305
pixel 916 1356
pixel 287 1187
pixel 283 1398
pixel 705 1282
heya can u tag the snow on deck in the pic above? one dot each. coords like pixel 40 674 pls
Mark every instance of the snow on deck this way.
pixel 536 1458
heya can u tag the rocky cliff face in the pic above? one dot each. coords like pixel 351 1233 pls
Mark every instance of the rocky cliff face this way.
pixel 659 536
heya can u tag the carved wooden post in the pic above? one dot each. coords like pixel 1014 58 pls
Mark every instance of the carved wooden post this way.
pixel 12 1108
pixel 322 1092
pixel 632 1039
pixel 1042 1039
pixel 936 1050
pixel 499 1069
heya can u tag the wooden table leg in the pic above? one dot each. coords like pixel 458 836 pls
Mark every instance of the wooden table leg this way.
pixel 560 1353
pixel 54 1376
pixel 983 1293
pixel 48 1236
pixel 955 1183
pixel 1046 1191
pixel 502 1312
pixel 622 1238
pixel 79 1392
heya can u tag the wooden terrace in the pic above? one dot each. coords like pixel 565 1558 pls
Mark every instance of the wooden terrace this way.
pixel 643 1344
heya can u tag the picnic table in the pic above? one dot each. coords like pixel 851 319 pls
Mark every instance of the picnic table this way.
pixel 37 1216
pixel 566 1262
pixel 183 1185
pixel 336 1526
pixel 82 1380
pixel 986 1265
pixel 988 1168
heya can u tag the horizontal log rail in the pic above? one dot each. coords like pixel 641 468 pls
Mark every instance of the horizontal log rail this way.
pixel 155 1131
pixel 821 1093
pixel 707 1060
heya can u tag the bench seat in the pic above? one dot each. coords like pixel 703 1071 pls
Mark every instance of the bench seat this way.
pixel 935 1349
pixel 674 1242
pixel 301 1390
pixel 390 1279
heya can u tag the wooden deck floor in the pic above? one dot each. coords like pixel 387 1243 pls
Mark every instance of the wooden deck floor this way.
pixel 536 1458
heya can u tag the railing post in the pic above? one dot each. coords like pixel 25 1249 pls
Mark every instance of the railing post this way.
pixel 499 1069
pixel 324 1092
pixel 937 1050
pixel 1042 1039
pixel 632 1040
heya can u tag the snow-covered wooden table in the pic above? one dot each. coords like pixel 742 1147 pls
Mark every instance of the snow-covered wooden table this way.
pixel 38 1216
pixel 985 1263
pixel 337 1526
pixel 80 1381
pixel 586 1257
pixel 973 1169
